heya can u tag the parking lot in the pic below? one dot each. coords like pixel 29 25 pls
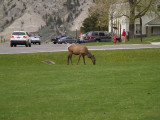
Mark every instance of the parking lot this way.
pixel 6 49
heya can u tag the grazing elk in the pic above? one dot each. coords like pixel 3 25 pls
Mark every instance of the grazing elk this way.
pixel 80 50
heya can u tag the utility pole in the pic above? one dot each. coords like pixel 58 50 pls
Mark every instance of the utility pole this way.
pixel 76 33
pixel 141 28
pixel 111 16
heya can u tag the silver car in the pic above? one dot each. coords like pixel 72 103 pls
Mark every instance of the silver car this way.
pixel 20 38
pixel 35 38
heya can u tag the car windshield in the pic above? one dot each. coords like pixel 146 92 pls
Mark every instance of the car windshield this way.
pixel 34 34
pixel 87 34
pixel 60 36
pixel 95 33
pixel 18 33
pixel 107 34
pixel 64 37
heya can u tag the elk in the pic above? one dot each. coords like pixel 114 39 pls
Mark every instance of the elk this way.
pixel 80 50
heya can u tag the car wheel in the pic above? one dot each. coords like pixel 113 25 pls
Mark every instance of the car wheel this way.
pixel 30 45
pixel 11 45
pixel 27 45
pixel 15 45
pixel 39 43
pixel 97 40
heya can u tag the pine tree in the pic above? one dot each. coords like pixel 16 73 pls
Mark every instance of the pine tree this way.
pixel 78 4
pixel 59 21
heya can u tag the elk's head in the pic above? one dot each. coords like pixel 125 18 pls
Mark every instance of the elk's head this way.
pixel 93 59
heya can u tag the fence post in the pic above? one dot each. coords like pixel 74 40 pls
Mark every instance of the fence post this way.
pixel 1 39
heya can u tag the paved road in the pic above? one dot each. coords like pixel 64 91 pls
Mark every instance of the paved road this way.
pixel 6 49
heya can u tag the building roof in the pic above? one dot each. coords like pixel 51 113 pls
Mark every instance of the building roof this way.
pixel 154 22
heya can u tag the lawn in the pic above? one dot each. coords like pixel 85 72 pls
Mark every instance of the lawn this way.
pixel 156 40
pixel 123 85
pixel 145 40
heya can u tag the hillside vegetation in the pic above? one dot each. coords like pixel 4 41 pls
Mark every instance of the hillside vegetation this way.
pixel 33 15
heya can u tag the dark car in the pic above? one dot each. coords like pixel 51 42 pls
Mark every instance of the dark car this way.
pixel 98 36
pixel 67 40
pixel 55 40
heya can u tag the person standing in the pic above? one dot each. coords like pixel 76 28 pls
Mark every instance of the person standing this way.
pixel 82 38
pixel 123 36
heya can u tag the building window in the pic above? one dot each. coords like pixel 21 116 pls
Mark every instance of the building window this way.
pixel 138 29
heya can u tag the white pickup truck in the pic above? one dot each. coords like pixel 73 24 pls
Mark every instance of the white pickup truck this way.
pixel 20 38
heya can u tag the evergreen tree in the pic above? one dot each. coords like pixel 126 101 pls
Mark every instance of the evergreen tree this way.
pixel 7 22
pixel 89 24
pixel 12 19
pixel 69 5
pixel 78 4
pixel 59 21
pixel 70 17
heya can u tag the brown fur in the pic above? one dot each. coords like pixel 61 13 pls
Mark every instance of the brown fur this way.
pixel 80 50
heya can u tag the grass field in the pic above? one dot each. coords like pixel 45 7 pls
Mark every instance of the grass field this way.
pixel 123 85
pixel 145 40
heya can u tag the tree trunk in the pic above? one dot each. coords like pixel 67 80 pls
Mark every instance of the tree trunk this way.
pixel 131 30
pixel 111 15
pixel 141 28
pixel 131 18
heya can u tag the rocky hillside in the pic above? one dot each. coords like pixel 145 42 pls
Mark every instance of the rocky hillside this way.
pixel 56 16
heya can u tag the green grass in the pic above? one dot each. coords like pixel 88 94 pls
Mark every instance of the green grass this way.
pixel 156 40
pixel 123 85
pixel 145 40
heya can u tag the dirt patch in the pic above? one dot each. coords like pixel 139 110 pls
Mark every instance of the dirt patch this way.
pixel 49 62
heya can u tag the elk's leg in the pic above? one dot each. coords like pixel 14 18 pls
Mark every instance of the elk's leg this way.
pixel 84 59
pixel 71 59
pixel 79 59
pixel 68 59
